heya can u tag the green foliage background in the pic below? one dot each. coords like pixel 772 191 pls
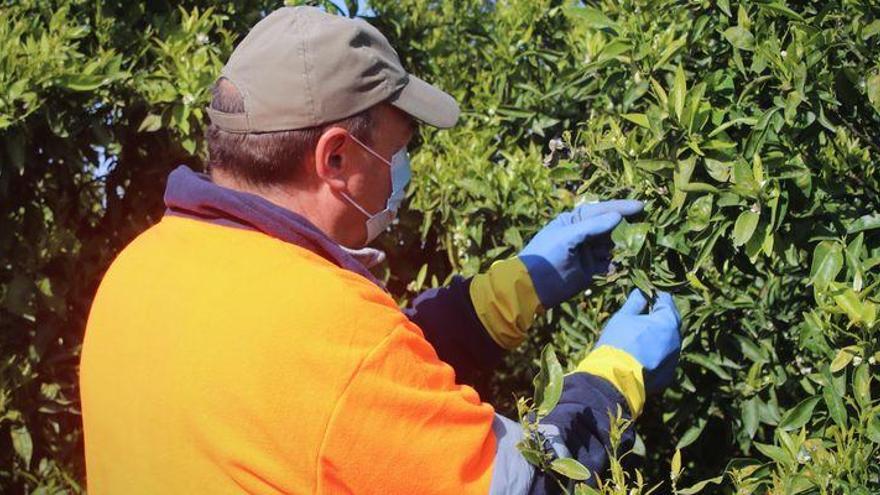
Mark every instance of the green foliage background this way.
pixel 750 128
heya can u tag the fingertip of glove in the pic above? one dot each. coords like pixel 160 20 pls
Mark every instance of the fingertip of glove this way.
pixel 665 302
pixel 635 303
pixel 630 206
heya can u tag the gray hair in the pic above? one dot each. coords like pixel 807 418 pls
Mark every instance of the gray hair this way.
pixel 267 158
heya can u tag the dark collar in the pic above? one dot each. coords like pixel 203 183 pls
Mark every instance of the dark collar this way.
pixel 194 195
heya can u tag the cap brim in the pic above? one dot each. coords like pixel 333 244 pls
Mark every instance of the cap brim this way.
pixel 427 103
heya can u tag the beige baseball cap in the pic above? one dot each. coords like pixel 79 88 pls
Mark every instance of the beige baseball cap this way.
pixel 301 67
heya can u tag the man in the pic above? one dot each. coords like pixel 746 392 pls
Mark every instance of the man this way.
pixel 242 346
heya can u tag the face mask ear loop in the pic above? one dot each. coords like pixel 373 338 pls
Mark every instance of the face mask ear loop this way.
pixel 370 150
pixel 354 203
pixel 377 155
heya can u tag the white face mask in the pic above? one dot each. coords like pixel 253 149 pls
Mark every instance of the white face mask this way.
pixel 400 175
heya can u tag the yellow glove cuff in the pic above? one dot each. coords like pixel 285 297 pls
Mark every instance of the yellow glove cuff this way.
pixel 622 370
pixel 505 301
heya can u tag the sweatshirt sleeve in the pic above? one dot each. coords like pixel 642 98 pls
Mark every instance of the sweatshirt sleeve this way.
pixel 450 323
pixel 471 322
pixel 403 425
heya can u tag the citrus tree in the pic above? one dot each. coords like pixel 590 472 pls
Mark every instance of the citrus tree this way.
pixel 750 130
pixel 98 102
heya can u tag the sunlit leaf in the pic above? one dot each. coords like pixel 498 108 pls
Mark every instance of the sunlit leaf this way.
pixel 679 92
pixel 835 405
pixel 827 263
pixel 740 38
pixel 548 382
pixel 570 468
pixel 798 416
pixel 22 443
pixel 744 227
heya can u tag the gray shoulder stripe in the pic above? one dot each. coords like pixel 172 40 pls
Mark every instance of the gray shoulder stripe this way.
pixel 552 434
pixel 512 474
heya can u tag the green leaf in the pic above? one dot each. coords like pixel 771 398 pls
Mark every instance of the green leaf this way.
pixel 699 187
pixel 585 489
pixel 718 170
pixel 679 92
pixel 698 487
pixel 634 93
pixel 695 98
pixel 669 51
pixel 750 121
pixel 82 82
pixel 513 238
pixel 548 382
pixel 873 430
pixel 189 145
pixel 750 416
pixel 662 97
pixel 641 281
pixel 843 358
pixel 859 312
pixel 699 212
pixel 750 349
pixel 863 223
pixel 827 263
pixel 862 385
pixel 654 165
pixel 792 101
pixel 533 456
pixel 782 9
pixel 180 118
pixel 22 443
pixel 761 241
pixel 835 405
pixel 630 237
pixel 743 177
pixel 871 29
pixel 740 38
pixel 681 177
pixel 514 112
pixel 420 278
pixel 675 466
pixel 692 434
pixel 872 86
pixel 570 468
pixel 744 227
pixel 709 364
pixel 593 18
pixel 639 119
pixel 773 452
pixel 564 173
pixel 757 169
pixel 853 254
pixel 798 416
pixel 151 123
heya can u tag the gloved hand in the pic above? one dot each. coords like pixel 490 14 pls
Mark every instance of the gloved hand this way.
pixel 651 338
pixel 564 256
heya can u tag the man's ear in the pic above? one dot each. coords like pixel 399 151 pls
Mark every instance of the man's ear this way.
pixel 332 158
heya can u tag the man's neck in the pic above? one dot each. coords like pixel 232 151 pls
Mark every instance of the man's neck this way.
pixel 287 198
pixel 302 200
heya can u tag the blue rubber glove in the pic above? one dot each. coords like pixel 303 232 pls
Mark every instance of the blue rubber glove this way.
pixel 651 338
pixel 564 256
